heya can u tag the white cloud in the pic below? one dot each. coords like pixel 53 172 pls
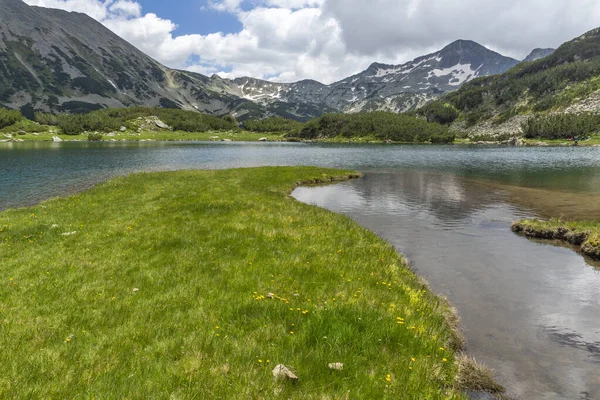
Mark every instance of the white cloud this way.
pixel 127 8
pixel 328 40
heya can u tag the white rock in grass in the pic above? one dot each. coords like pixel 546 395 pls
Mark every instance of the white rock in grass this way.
pixel 338 366
pixel 123 129
pixel 56 139
pixel 135 290
pixel 69 233
pixel 262 139
pixel 281 372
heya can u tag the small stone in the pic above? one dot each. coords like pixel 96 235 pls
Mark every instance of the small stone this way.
pixel 122 129
pixel 69 233
pixel 226 140
pixel 262 139
pixel 135 290
pixel 281 372
pixel 338 366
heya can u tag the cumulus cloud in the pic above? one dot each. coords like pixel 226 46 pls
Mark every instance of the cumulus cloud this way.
pixel 513 26
pixel 327 40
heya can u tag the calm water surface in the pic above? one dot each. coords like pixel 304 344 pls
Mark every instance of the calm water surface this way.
pixel 530 310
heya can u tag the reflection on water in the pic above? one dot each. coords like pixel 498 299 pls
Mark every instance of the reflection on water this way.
pixel 30 172
pixel 530 310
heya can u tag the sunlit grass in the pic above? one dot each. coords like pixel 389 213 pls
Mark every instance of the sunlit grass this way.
pixel 196 284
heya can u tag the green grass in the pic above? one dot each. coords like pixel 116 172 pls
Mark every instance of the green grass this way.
pixel 205 249
pixel 580 233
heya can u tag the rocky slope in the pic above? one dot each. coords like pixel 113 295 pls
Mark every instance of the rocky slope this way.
pixel 57 61
pixel 566 81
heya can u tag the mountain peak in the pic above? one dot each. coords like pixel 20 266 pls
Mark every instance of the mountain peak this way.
pixel 538 53
pixel 463 45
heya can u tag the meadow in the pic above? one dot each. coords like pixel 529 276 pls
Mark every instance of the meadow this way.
pixel 196 284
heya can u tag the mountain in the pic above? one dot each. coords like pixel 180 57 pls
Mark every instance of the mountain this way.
pixel 58 61
pixel 53 60
pixel 537 54
pixel 385 87
pixel 566 81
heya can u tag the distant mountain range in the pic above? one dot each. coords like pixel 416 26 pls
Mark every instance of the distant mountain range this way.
pixel 57 61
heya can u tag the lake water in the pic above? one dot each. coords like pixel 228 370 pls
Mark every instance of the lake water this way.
pixel 530 310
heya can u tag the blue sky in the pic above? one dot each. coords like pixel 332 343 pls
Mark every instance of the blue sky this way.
pixel 328 40
pixel 193 16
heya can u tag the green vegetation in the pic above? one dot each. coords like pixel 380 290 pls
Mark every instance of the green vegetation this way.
pixel 580 233
pixel 108 120
pixel 561 126
pixel 196 284
pixel 273 124
pixel 9 117
pixel 167 136
pixel 381 125
pixel 442 113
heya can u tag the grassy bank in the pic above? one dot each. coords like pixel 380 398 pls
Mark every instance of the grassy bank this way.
pixel 196 284
pixel 580 233
pixel 235 136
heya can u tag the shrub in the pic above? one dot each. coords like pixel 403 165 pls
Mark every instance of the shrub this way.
pixel 273 124
pixel 442 113
pixel 382 125
pixel 9 117
pixel 107 120
pixel 561 126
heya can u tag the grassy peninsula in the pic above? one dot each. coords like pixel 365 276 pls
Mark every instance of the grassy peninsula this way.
pixel 579 233
pixel 197 284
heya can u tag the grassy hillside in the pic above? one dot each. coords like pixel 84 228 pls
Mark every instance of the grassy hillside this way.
pixel 196 284
pixel 552 84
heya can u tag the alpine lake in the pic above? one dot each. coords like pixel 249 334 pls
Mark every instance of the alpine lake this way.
pixel 530 310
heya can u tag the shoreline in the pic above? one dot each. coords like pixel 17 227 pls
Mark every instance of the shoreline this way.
pixel 45 211
pixel 246 138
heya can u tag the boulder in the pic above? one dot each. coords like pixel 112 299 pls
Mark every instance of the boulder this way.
pixel 262 139
pixel 515 141
pixel 226 140
pixel 56 139
pixel 162 125
pixel 122 129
